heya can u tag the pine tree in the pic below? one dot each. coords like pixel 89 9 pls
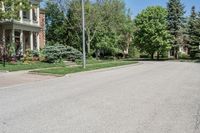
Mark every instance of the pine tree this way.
pixel 194 39
pixel 196 47
pixel 175 23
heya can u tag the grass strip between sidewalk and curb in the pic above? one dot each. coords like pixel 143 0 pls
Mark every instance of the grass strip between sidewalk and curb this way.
pixel 68 70
pixel 20 66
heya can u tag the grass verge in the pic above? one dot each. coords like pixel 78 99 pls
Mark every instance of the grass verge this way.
pixel 94 61
pixel 35 65
pixel 68 70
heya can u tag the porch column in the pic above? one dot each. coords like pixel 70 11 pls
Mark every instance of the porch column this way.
pixel 31 39
pixel 38 41
pixel 31 14
pixel 13 36
pixel 38 15
pixel 22 41
pixel 3 7
pixel 21 14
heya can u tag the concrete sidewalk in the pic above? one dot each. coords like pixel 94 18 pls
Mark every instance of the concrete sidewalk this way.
pixel 20 77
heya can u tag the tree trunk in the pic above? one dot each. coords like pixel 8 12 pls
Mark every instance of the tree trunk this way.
pixel 128 42
pixel 88 42
pixel 97 53
pixel 125 51
pixel 152 54
pixel 176 53
pixel 158 55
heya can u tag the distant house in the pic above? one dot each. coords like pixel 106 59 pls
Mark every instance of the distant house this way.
pixel 28 32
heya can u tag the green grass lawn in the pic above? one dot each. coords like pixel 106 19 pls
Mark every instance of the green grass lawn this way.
pixel 21 66
pixel 93 61
pixel 68 70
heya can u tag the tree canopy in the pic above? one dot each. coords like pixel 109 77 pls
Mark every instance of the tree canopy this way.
pixel 151 31
pixel 111 30
pixel 108 24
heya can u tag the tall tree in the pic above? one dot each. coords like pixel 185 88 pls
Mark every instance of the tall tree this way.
pixel 75 21
pixel 151 33
pixel 192 29
pixel 175 23
pixel 55 24
pixel 108 26
pixel 194 32
pixel 103 24
pixel 126 33
pixel 115 34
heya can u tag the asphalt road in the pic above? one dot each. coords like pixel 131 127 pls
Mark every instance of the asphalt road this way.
pixel 155 97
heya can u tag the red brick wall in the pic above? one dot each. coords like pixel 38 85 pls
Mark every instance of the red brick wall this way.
pixel 42 29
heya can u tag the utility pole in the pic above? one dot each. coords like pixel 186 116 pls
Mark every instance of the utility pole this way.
pixel 83 26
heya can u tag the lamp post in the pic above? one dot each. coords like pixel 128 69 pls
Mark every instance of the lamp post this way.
pixel 83 26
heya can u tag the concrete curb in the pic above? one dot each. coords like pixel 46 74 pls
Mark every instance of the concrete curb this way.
pixel 45 74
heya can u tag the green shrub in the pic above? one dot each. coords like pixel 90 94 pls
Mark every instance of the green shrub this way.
pixel 27 57
pixel 144 56
pixel 133 52
pixel 197 55
pixel 72 54
pixel 183 55
pixel 193 53
pixel 11 49
pixel 57 52
pixel 109 58
pixel 34 53
pixel 52 54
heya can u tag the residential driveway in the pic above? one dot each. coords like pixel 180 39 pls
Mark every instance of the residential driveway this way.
pixel 156 97
pixel 22 77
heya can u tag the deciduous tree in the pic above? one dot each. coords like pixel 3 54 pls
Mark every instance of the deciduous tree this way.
pixel 151 33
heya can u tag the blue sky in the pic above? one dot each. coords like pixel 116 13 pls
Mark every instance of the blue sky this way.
pixel 137 5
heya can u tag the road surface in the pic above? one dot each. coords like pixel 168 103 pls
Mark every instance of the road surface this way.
pixel 155 97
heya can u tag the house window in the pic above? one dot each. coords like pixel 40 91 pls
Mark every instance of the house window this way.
pixel 26 15
pixel 34 14
pixel 8 7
